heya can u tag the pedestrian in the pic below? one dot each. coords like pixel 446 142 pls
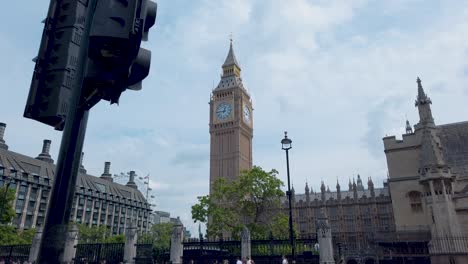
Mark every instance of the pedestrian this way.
pixel 249 261
pixel 285 260
pixel 238 261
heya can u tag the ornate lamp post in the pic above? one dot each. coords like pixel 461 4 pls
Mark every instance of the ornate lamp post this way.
pixel 286 145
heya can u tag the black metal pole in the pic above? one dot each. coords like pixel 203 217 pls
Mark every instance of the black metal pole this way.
pixel 291 229
pixel 66 173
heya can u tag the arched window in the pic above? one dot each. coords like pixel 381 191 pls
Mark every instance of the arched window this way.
pixel 415 201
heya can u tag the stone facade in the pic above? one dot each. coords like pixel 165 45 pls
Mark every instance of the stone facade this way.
pixel 421 211
pixel 231 124
pixel 428 180
pixel 357 216
pixel 98 200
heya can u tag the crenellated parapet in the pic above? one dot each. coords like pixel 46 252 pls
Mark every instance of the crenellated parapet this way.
pixel 408 141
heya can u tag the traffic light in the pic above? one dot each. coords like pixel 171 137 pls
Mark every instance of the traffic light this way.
pixel 116 61
pixel 56 63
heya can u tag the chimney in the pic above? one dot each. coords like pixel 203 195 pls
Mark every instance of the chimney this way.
pixel 106 175
pixel 45 155
pixel 2 133
pixel 82 168
pixel 131 181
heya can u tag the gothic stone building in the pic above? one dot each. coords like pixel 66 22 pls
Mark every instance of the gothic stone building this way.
pixel 357 217
pixel 421 213
pixel 98 201
pixel 428 182
pixel 231 124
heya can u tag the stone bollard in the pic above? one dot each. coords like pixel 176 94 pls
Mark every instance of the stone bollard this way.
pixel 70 245
pixel 35 246
pixel 177 246
pixel 131 237
pixel 245 243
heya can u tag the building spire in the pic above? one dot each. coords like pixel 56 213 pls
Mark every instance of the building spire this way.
pixel 230 65
pixel 409 129
pixel 423 103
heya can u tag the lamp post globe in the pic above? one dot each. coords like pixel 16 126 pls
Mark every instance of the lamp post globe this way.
pixel 286 142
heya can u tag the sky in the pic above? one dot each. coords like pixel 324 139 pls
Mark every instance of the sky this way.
pixel 338 75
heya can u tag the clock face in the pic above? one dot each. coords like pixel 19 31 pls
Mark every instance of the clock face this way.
pixel 246 112
pixel 223 111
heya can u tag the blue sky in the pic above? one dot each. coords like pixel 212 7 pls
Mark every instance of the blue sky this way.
pixel 338 75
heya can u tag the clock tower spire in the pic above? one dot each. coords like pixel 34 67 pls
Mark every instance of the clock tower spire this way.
pixel 231 124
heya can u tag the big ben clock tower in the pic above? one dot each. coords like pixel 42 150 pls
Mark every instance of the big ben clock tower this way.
pixel 231 124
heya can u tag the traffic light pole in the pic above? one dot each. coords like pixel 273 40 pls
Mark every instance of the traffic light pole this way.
pixel 55 235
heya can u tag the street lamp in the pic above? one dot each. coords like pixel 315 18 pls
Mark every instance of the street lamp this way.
pixel 286 145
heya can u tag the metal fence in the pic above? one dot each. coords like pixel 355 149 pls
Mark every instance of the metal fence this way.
pixel 96 253
pixel 14 253
pixel 144 254
pixel 263 251
pixel 448 245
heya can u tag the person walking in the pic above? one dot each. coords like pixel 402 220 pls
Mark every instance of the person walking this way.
pixel 285 260
pixel 238 261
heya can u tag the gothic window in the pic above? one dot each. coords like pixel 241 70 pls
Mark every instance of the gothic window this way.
pixel 415 201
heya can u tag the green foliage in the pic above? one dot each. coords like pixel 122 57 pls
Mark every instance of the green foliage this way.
pixel 9 235
pixel 94 234
pixel 159 236
pixel 7 196
pixel 252 200
pixel 115 239
pixel 98 234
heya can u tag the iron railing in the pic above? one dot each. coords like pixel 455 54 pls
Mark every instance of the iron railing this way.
pixel 453 245
pixel 263 251
pixel 14 253
pixel 96 253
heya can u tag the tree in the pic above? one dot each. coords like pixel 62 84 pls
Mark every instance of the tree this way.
pixel 159 236
pixel 93 234
pixel 252 200
pixel 7 196
pixel 9 235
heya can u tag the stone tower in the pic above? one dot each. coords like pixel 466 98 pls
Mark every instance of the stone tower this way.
pixel 437 181
pixel 231 124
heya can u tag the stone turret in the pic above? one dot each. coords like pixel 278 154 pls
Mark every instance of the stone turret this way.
pixel 106 175
pixel 350 186
pixel 360 186
pixel 423 102
pixel 338 190
pixel 409 129
pixel 322 190
pixel 3 145
pixel 354 190
pixel 370 186
pixel 45 155
pixel 307 193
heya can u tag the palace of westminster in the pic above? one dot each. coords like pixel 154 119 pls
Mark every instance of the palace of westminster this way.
pixel 420 213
